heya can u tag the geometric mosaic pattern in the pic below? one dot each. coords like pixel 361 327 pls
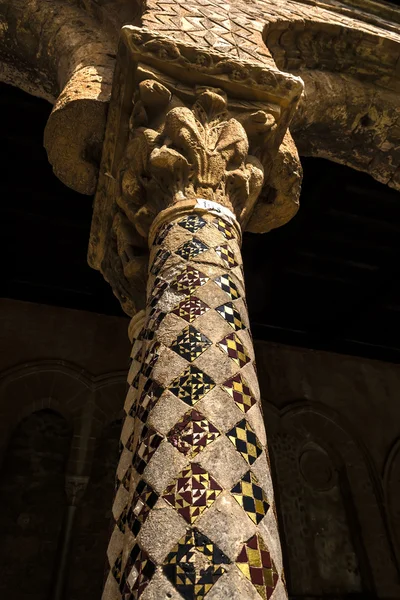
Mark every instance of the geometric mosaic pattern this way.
pixel 160 285
pixel 162 234
pixel 230 313
pixel 117 568
pixel 154 320
pixel 194 565
pixel 192 223
pixel 224 227
pixel 245 441
pixel 237 387
pixel 192 492
pixel 191 385
pixel 191 249
pixel 226 283
pixel 190 308
pixel 190 343
pixel 256 564
pixel 234 348
pixel 159 260
pixel 189 280
pixel 149 442
pixel 143 501
pixel 148 399
pixel 251 497
pixel 192 433
pixel 226 255
pixel 138 572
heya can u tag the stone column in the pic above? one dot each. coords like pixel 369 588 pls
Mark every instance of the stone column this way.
pixel 194 508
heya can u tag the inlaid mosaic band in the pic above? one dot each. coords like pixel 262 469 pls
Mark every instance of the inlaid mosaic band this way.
pixel 194 507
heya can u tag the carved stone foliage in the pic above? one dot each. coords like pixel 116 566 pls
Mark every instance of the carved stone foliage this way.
pixel 198 152
pixel 187 124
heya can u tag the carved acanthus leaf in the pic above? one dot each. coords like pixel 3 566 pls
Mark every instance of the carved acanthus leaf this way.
pixel 199 151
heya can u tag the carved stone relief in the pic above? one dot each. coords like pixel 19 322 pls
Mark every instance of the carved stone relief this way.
pixel 183 125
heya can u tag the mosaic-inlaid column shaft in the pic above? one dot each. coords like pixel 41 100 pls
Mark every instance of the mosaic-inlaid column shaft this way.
pixel 194 506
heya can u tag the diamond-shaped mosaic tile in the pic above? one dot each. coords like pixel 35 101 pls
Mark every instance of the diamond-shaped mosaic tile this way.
pixel 126 480
pixel 149 442
pixel 251 497
pixel 190 343
pixel 193 491
pixel 256 564
pixel 224 227
pixel 122 519
pixel 226 283
pixel 150 358
pixel 162 234
pixel 144 499
pixel 117 568
pixel 159 260
pixel 234 348
pixel 190 308
pixel 189 280
pixel 192 433
pixel 245 441
pixel 153 322
pixel 138 572
pixel 230 313
pixel 194 565
pixel 191 249
pixel 226 255
pixel 237 387
pixel 191 385
pixel 148 399
pixel 159 287
pixel 192 223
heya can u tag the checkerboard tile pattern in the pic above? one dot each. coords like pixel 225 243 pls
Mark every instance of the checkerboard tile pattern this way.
pixel 227 284
pixel 245 441
pixel 251 497
pixel 227 256
pixel 193 256
pixel 234 348
pixel 256 564
pixel 225 228
pixel 230 313
pixel 237 387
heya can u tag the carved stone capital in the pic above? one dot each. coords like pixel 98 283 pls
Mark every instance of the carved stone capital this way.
pixel 185 124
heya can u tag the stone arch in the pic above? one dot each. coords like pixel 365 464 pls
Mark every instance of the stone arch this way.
pixel 350 485
pixel 349 110
pixel 391 482
pixel 65 52
pixel 60 386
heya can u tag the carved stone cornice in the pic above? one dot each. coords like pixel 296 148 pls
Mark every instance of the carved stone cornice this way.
pixel 185 124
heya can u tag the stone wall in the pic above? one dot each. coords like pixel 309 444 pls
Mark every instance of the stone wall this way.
pixel 334 432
